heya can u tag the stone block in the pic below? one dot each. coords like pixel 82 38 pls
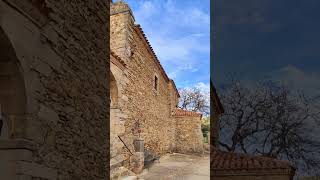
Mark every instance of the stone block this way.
pixel 17 144
pixel 16 155
pixel 36 170
pixel 137 162
pixel 48 115
pixel 23 177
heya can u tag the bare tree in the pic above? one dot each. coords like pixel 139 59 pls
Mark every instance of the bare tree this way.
pixel 193 100
pixel 270 120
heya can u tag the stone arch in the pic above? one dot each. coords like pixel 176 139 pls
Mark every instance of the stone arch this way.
pixel 114 96
pixel 12 91
pixel 117 127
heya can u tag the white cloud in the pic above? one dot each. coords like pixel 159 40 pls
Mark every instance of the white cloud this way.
pixel 298 79
pixel 189 16
pixel 169 48
pixel 204 88
pixel 177 33
pixel 173 74
pixel 146 10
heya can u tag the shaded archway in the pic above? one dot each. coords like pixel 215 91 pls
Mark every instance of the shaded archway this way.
pixel 113 92
pixel 12 91
pixel 117 127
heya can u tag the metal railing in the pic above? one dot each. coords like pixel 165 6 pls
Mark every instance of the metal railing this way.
pixel 125 145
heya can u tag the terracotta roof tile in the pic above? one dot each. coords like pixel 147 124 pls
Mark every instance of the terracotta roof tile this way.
pixel 227 161
pixel 181 112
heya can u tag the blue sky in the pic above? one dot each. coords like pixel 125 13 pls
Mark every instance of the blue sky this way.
pixel 277 40
pixel 179 32
pixel 268 39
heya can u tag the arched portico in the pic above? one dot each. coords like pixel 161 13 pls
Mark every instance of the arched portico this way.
pixel 117 115
pixel 115 112
pixel 12 91
pixel 114 98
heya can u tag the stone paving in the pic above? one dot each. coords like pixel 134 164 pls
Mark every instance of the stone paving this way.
pixel 179 167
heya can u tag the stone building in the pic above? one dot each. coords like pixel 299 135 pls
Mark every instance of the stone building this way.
pixel 216 111
pixel 143 94
pixel 236 166
pixel 53 89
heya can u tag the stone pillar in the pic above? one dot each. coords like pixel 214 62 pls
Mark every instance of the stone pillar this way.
pixel 137 162
pixel 121 23
pixel 137 159
pixel 138 145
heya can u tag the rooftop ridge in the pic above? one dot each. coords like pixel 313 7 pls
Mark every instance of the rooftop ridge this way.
pixel 182 112
pixel 229 161
pixel 175 87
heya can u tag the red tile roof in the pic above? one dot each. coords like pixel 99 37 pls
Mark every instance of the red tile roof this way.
pixel 181 112
pixel 241 163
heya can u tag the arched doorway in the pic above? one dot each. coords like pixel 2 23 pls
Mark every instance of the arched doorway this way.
pixel 113 92
pixel 114 117
pixel 12 91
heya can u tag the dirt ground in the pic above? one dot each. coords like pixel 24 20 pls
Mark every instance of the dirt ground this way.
pixel 179 167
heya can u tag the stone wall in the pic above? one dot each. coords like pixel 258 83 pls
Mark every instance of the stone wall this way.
pixel 61 50
pixel 189 138
pixel 148 106
pixel 151 106
pixel 121 27
pixel 118 81
pixel 252 177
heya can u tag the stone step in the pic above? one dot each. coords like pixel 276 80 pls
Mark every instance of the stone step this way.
pixel 120 173
pixel 117 161
pixel 129 178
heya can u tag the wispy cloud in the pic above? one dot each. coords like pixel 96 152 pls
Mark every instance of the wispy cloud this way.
pixel 204 88
pixel 298 79
pixel 248 13
pixel 170 48
pixel 179 32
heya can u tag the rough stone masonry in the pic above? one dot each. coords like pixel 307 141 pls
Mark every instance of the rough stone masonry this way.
pixel 54 78
pixel 54 89
pixel 142 93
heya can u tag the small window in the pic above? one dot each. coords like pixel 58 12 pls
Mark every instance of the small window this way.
pixel 155 83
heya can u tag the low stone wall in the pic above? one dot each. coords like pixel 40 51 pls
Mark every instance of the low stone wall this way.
pixel 188 135
pixel 59 51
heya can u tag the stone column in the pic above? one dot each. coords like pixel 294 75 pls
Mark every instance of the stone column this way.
pixel 139 145
pixel 137 159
